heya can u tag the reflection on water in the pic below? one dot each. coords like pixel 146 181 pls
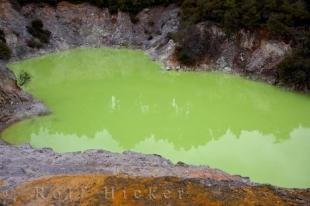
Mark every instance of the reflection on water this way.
pixel 120 100
pixel 250 150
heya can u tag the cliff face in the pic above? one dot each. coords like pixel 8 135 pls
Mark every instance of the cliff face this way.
pixel 85 25
pixel 250 53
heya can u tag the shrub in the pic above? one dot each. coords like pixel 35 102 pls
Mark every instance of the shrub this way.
pixel 134 19
pixel 23 78
pixel 174 36
pixel 2 36
pixel 192 45
pixel 5 52
pixel 15 5
pixel 283 18
pixel 295 69
pixel 131 6
pixel 234 15
pixel 37 31
pixel 37 24
pixel 276 26
pixel 151 23
pixel 51 2
pixel 35 44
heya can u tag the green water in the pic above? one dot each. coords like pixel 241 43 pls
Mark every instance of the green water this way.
pixel 121 100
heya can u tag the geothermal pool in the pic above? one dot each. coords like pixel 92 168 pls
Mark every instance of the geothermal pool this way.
pixel 119 99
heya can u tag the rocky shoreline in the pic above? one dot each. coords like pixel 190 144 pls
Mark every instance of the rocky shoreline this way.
pixel 23 167
pixel 16 104
pixel 22 163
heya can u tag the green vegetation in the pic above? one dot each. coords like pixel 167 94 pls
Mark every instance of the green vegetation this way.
pixel 37 31
pixel 193 44
pixel 23 78
pixel 34 43
pixel 5 52
pixel 286 19
pixel 131 6
pixel 2 36
pixel 233 15
pixel 295 69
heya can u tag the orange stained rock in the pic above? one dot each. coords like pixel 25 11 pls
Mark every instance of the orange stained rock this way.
pixel 89 190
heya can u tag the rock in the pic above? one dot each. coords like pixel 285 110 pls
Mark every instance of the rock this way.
pixel 126 190
pixel 27 169
pixel 267 56
pixel 44 162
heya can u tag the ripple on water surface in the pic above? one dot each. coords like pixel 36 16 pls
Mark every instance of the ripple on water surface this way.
pixel 118 99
